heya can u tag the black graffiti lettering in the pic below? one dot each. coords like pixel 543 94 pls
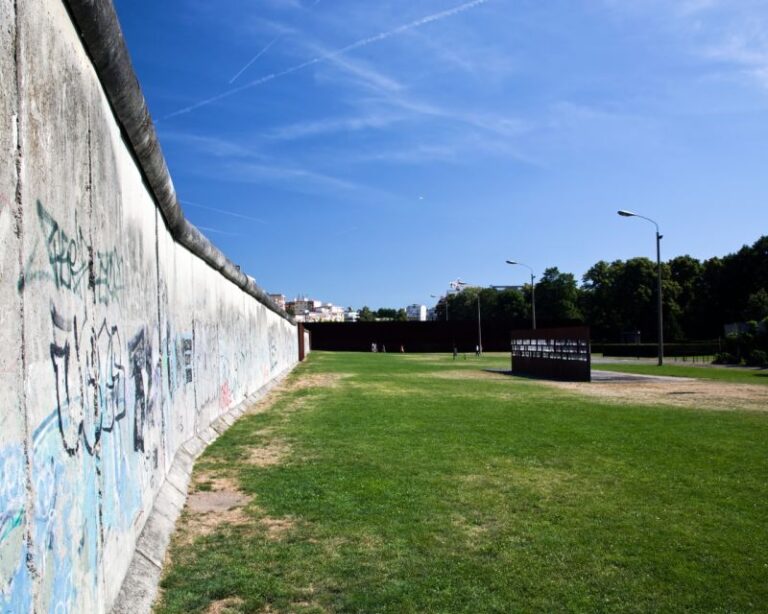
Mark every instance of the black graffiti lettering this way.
pixel 187 349
pixel 90 382
pixel 111 396
pixel 140 358
pixel 60 360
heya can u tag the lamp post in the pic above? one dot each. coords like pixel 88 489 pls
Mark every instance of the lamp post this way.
pixel 479 327
pixel 533 290
pixel 659 237
pixel 460 285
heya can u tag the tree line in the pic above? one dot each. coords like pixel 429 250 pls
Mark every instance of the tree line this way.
pixel 384 313
pixel 617 298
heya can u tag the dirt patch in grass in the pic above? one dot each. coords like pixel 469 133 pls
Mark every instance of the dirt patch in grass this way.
pixel 270 455
pixel 465 374
pixel 315 380
pixel 697 394
pixel 295 405
pixel 293 384
pixel 276 528
pixel 267 402
pixel 306 606
pixel 215 501
pixel 230 605
pixel 473 532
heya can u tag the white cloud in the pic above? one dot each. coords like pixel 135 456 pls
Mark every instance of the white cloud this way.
pixel 211 145
pixel 296 178
pixel 745 47
pixel 731 35
pixel 334 125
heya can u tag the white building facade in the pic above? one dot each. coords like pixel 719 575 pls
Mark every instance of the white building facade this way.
pixel 416 313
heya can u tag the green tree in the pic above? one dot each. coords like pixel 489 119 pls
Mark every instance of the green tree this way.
pixel 685 282
pixel 507 305
pixel 366 315
pixel 757 305
pixel 557 297
pixel 511 306
pixel 618 298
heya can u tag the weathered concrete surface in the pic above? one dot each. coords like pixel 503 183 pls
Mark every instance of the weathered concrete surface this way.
pixel 120 345
pixel 15 496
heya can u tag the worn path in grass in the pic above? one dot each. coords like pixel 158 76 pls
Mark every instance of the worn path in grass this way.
pixel 391 483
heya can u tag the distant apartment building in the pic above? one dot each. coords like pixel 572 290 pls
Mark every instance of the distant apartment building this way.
pixel 351 315
pixel 416 313
pixel 304 305
pixel 310 310
pixel 279 300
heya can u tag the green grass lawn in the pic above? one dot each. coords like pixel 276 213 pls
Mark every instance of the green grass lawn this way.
pixel 713 372
pixel 420 484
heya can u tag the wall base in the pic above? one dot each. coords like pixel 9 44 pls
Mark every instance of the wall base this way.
pixel 140 586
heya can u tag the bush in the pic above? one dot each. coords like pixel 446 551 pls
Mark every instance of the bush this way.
pixel 757 358
pixel 725 358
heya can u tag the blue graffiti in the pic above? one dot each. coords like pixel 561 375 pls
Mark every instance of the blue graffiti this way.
pixel 14 576
pixel 65 527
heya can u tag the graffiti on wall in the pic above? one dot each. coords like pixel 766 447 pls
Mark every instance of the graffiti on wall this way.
pixel 89 378
pixel 65 523
pixel 119 380
pixel 14 576
pixel 186 348
pixel 140 359
pixel 72 263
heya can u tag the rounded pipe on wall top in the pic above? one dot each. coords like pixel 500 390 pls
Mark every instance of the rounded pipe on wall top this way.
pixel 102 37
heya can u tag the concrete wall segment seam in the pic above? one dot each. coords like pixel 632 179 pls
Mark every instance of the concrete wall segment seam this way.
pixel 18 215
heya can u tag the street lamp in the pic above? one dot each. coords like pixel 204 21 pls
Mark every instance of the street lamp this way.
pixel 659 237
pixel 479 327
pixel 460 285
pixel 533 290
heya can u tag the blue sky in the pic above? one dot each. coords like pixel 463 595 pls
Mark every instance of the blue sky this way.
pixel 370 152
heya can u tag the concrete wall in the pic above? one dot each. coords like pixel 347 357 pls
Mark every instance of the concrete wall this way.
pixel 118 344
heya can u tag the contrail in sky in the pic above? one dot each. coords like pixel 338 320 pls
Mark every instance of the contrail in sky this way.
pixel 256 57
pixel 224 212
pixel 263 51
pixel 329 56
pixel 217 231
